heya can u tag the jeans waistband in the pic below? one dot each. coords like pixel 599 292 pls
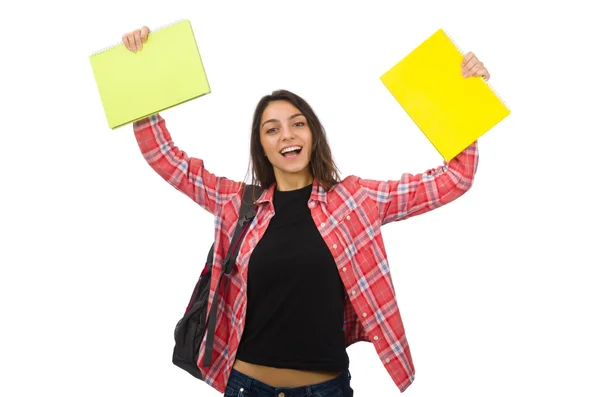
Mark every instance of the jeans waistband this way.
pixel 239 380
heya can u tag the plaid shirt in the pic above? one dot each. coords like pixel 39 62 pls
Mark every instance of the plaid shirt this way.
pixel 349 217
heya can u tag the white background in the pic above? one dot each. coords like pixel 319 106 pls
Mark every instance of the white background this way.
pixel 498 290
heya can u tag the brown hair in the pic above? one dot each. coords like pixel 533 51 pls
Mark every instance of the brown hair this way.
pixel 321 165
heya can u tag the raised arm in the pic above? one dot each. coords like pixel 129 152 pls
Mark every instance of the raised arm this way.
pixel 416 194
pixel 186 174
pixel 419 193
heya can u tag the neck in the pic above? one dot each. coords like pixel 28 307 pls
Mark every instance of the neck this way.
pixel 293 181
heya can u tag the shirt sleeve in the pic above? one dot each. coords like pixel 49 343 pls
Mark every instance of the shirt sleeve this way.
pixel 419 193
pixel 186 174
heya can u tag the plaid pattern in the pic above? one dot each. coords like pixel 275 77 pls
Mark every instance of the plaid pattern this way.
pixel 349 218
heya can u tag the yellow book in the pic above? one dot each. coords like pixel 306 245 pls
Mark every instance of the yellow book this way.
pixel 166 72
pixel 451 110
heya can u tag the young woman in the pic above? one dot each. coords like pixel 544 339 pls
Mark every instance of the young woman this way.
pixel 312 276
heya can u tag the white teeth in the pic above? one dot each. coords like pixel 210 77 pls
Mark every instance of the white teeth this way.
pixel 290 149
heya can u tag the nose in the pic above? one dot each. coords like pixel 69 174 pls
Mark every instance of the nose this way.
pixel 286 133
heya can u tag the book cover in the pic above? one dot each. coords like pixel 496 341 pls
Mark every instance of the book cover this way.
pixel 166 72
pixel 451 110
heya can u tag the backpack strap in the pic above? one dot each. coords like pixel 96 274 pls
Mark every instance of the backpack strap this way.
pixel 247 213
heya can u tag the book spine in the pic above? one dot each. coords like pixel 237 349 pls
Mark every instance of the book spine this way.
pixel 110 47
pixel 454 43
pixel 496 93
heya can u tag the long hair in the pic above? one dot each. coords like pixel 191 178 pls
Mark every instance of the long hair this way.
pixel 321 165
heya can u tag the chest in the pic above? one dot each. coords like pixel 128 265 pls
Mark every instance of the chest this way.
pixel 347 228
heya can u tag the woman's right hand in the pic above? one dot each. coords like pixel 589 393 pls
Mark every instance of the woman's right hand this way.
pixel 133 40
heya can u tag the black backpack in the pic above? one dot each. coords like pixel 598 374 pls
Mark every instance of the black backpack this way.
pixel 190 330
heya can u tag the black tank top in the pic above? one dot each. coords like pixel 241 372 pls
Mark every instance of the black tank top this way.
pixel 295 309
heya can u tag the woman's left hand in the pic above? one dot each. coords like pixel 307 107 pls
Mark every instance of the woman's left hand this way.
pixel 471 66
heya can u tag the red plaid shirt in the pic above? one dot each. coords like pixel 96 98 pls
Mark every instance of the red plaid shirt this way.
pixel 349 217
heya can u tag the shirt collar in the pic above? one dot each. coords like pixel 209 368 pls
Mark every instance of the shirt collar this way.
pixel 318 194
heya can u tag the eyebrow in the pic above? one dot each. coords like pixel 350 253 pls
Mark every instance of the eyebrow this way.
pixel 289 118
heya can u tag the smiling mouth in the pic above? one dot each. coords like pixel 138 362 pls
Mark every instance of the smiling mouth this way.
pixel 292 153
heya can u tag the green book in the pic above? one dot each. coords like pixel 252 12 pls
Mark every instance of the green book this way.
pixel 166 72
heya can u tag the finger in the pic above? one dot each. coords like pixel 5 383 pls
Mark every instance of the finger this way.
pixel 481 72
pixel 473 64
pixel 125 40
pixel 131 42
pixel 144 34
pixel 137 40
pixel 467 58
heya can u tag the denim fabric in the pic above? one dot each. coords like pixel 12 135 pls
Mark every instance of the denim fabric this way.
pixel 240 385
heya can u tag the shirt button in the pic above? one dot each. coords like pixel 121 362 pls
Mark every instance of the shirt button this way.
pixel 242 389
pixel 344 269
pixel 387 360
pixel 348 217
pixel 334 246
pixel 312 204
pixel 353 292
pixel 376 338
pixel 322 224
pixel 364 314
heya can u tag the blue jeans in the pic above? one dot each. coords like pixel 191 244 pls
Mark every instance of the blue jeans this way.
pixel 240 385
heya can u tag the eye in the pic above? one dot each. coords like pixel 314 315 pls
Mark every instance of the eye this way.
pixel 271 130
pixel 299 124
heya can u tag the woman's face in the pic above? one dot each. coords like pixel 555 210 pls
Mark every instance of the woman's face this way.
pixel 286 139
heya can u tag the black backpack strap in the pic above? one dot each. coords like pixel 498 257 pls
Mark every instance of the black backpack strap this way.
pixel 247 213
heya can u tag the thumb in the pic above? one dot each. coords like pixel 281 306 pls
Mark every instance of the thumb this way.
pixel 145 31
